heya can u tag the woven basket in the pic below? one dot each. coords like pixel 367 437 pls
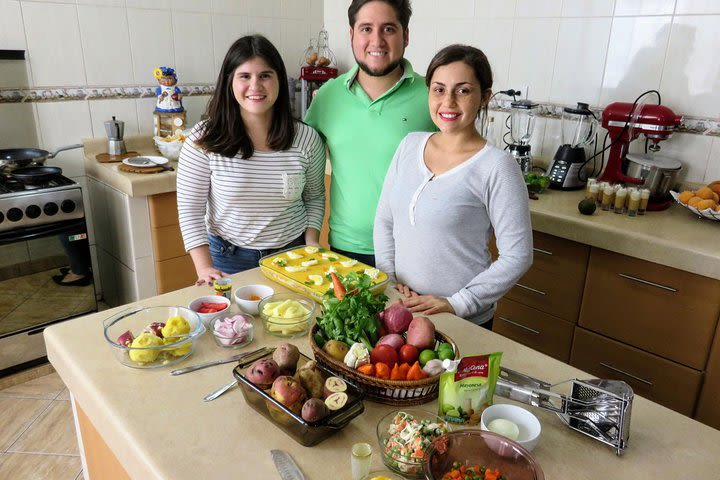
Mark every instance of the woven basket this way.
pixel 390 392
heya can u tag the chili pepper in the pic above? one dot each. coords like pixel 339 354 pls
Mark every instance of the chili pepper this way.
pixel 382 371
pixel 396 373
pixel 367 369
pixel 338 287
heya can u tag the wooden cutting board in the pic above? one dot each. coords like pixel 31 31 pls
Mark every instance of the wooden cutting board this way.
pixel 130 169
pixel 107 158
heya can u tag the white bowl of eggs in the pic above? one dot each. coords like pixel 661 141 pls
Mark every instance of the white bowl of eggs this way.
pixel 513 422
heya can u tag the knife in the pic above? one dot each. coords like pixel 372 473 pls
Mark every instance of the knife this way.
pixel 286 466
pixel 246 355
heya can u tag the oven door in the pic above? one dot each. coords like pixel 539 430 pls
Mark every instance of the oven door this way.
pixel 30 299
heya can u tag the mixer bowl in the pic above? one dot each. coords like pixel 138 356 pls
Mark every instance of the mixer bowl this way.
pixel 658 173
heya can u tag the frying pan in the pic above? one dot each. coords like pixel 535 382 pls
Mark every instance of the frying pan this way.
pixel 13 158
pixel 34 175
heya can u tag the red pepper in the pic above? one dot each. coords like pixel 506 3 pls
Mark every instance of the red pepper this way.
pixel 338 287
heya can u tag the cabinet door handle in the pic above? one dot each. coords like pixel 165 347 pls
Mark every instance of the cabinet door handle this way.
pixel 539 250
pixel 646 282
pixel 615 369
pixel 531 289
pixel 519 325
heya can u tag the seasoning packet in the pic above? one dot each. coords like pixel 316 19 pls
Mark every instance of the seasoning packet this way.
pixel 467 391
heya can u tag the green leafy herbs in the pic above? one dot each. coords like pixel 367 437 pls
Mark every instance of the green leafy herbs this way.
pixel 355 317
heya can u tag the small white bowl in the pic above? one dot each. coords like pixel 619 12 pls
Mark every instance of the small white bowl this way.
pixel 245 297
pixel 207 318
pixel 527 423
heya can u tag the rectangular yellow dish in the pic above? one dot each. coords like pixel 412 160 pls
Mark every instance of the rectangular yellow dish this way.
pixel 304 270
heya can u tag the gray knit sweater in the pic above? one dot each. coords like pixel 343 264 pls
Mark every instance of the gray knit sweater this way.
pixel 431 232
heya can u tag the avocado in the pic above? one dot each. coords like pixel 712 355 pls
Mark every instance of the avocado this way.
pixel 587 206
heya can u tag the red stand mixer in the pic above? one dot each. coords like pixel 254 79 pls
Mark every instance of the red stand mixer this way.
pixel 625 122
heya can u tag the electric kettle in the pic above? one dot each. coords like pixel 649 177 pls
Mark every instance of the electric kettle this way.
pixel 115 129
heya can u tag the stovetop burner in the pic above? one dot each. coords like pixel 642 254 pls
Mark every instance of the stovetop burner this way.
pixel 10 184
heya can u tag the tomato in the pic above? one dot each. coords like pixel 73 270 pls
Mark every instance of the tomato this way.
pixel 384 354
pixel 408 354
pixel 216 306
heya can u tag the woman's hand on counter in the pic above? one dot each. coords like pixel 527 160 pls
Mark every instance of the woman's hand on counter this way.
pixel 204 268
pixel 207 275
pixel 428 304
pixel 405 290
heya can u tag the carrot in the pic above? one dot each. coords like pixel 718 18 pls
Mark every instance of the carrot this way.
pixel 367 369
pixel 492 474
pixel 338 287
pixel 396 374
pixel 382 371
pixel 404 369
pixel 415 372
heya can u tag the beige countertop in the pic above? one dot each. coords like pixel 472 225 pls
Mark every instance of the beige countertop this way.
pixel 132 184
pixel 159 427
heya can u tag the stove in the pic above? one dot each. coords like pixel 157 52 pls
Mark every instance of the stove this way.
pixel 33 204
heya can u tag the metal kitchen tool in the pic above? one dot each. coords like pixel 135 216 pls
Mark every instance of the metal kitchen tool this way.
pixel 247 356
pixel 115 130
pixel 216 393
pixel 286 466
pixel 245 360
pixel 597 408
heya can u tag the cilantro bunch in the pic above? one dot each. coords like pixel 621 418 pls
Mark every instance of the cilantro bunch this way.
pixel 355 317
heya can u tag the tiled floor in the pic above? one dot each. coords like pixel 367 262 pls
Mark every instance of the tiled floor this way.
pixel 37 432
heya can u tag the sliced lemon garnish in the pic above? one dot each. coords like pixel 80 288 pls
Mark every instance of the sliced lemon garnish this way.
pixel 309 263
pixel 295 269
pixel 372 272
pixel 316 279
pixel 311 249
pixel 330 269
pixel 293 255
pixel 279 261
pixel 349 263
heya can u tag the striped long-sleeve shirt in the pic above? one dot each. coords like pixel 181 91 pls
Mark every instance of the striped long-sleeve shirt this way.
pixel 265 201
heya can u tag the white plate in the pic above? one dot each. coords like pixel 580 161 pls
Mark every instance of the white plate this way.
pixel 145 161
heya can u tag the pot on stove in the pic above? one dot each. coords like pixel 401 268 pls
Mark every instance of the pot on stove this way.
pixel 13 158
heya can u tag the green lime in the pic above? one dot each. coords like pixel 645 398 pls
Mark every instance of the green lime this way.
pixel 587 207
pixel 426 356
pixel 446 354
pixel 445 346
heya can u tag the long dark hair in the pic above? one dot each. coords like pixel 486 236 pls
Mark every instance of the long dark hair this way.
pixel 470 56
pixel 224 132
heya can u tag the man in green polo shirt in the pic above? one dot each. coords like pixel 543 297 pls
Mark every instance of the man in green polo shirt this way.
pixel 363 115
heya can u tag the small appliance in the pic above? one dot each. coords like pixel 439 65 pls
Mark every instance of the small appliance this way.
pixel 522 123
pixel 577 130
pixel 625 122
pixel 115 129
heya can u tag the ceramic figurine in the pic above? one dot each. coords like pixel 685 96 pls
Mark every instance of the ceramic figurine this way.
pixel 168 94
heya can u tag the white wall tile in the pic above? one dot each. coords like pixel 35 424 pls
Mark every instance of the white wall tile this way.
pixel 120 225
pixel 588 8
pixel 317 10
pixel 644 7
pixel 197 6
pixel 88 208
pixel 337 10
pixel 122 109
pixel 96 272
pixel 263 8
pixel 270 28
pixel 690 83
pixel 551 139
pixel 145 277
pixel 192 36
pixel 127 287
pixel 692 150
pixel 294 9
pixel 713 169
pixel 151 42
pixel 294 35
pixel 635 57
pixel 684 7
pixel 145 109
pixel 579 60
pixel 155 4
pixel 54 46
pixel 538 8
pixel 64 123
pixel 494 38
pixel 225 30
pixel 100 217
pixel 495 8
pixel 422 44
pixel 14 74
pixel 433 10
pixel 339 38
pixel 105 40
pixel 457 31
pixel 21 131
pixel 195 107
pixel 108 277
pixel 12 35
pixel 104 3
pixel 533 51
pixel 140 227
pixel 233 7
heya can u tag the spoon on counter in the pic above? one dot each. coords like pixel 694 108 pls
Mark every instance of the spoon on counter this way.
pixel 216 393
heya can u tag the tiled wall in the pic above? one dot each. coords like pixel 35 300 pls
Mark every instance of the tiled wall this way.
pixel 593 51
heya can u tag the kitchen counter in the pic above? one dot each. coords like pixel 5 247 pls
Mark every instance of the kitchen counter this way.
pixel 158 427
pixel 132 184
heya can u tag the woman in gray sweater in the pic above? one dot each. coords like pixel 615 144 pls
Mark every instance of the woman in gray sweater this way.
pixel 445 194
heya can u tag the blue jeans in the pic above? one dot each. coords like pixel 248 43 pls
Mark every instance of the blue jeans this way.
pixel 231 259
pixel 366 258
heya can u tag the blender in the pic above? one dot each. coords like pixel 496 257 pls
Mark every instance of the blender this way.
pixel 577 130
pixel 522 122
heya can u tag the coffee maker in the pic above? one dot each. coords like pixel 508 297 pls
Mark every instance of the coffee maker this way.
pixel 522 123
pixel 625 122
pixel 115 129
pixel 577 130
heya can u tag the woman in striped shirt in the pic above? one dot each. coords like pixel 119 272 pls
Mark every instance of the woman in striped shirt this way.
pixel 250 178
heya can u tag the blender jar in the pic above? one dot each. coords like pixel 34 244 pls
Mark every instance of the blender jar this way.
pixel 577 126
pixel 522 121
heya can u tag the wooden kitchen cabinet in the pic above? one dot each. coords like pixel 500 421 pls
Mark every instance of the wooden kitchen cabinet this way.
pixel 533 328
pixel 708 406
pixel 668 383
pixel 662 310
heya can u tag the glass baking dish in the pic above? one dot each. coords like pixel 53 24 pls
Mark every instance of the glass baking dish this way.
pixel 303 432
pixel 287 268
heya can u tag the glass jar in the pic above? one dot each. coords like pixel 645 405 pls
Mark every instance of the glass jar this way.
pixel 620 195
pixel 310 57
pixel 644 199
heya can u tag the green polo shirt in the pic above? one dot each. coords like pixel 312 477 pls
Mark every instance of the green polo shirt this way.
pixel 362 136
